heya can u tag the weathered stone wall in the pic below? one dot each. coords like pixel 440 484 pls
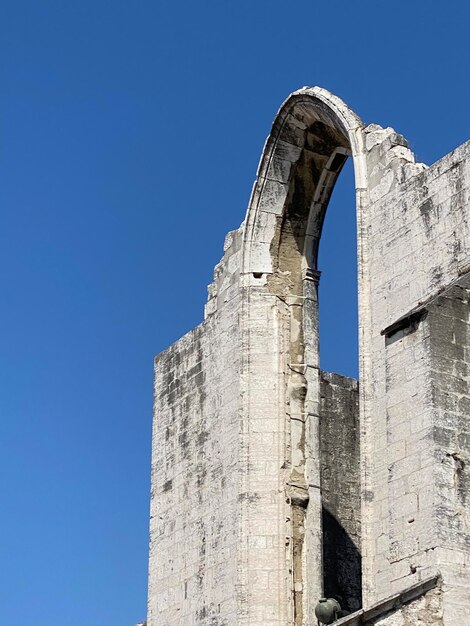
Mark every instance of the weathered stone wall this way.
pixel 408 534
pixel 420 230
pixel 226 283
pixel 236 507
pixel 194 527
pixel 449 331
pixel 426 610
pixel 341 489
pixel 421 238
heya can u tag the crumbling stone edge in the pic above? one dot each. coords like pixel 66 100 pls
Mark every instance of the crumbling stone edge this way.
pixel 390 604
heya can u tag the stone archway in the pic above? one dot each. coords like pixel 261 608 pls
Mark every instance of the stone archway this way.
pixel 311 138
pixel 236 505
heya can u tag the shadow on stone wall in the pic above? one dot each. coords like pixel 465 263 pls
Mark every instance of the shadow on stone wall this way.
pixel 341 565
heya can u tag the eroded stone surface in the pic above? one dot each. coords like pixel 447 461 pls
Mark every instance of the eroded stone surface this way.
pixel 238 472
pixel 340 487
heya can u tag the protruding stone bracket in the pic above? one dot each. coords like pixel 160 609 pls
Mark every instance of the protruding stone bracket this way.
pixel 404 326
pixel 311 275
pixel 409 322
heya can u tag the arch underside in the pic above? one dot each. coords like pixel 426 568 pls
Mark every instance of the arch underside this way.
pixel 311 139
pixel 312 180
pixel 312 136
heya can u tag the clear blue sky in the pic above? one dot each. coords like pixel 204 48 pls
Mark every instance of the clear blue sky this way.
pixel 130 135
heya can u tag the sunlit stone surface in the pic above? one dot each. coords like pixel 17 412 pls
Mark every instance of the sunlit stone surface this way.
pixel 274 483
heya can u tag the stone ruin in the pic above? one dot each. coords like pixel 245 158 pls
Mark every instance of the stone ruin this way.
pixel 275 484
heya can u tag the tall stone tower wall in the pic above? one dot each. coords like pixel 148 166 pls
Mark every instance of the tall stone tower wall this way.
pixel 419 265
pixel 195 499
pixel 274 482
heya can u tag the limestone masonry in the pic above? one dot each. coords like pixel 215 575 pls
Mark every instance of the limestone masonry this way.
pixel 275 484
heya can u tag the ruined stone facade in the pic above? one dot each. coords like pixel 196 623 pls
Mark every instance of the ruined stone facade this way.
pixel 274 483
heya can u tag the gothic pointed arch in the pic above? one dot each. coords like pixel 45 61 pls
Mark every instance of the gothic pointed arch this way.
pixel 311 138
